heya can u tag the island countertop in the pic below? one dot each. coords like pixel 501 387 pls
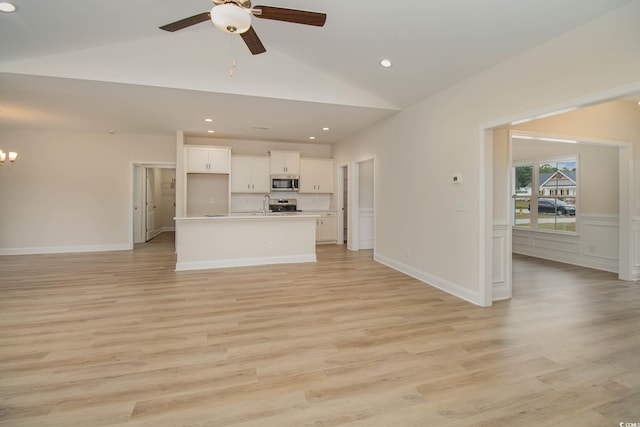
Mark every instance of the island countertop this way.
pixel 247 216
pixel 204 242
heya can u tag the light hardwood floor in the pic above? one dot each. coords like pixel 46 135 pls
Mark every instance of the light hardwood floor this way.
pixel 121 339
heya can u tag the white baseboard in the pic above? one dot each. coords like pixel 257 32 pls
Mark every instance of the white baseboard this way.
pixel 501 293
pixel 568 258
pixel 243 262
pixel 164 229
pixel 65 249
pixel 437 282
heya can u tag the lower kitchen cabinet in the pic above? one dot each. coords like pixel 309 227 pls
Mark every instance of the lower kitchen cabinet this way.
pixel 326 226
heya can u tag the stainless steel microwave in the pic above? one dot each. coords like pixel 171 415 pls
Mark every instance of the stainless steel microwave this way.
pixel 285 182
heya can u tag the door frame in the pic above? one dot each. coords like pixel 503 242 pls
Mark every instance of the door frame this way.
pixel 137 194
pixel 343 173
pixel 354 215
pixel 485 184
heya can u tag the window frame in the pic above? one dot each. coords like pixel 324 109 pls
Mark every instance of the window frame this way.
pixel 535 188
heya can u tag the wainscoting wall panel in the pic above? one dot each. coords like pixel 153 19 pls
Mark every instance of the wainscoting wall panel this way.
pixel 595 245
pixel 501 274
pixel 366 239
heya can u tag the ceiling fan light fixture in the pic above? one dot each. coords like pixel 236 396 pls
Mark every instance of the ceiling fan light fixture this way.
pixel 7 7
pixel 231 18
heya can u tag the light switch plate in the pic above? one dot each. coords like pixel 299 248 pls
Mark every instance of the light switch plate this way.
pixel 461 205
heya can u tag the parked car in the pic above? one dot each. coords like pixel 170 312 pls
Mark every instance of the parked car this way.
pixel 555 206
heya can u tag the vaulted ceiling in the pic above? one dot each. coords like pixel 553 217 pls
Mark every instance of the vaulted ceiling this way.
pixel 101 66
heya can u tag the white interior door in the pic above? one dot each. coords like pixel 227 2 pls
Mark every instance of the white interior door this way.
pixel 150 205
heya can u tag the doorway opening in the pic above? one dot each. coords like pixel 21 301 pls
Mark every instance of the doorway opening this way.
pixel 604 239
pixel 362 206
pixel 153 201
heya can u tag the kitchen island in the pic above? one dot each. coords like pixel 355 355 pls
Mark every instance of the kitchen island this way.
pixel 242 240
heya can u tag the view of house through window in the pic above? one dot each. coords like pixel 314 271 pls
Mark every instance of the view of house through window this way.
pixel 552 205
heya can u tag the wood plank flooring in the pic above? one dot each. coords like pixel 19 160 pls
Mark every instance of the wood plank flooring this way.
pixel 120 339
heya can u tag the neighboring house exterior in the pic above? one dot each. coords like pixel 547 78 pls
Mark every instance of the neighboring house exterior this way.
pixel 559 183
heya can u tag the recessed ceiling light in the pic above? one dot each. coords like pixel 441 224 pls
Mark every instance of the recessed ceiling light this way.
pixel 385 63
pixel 208 120
pixel 211 131
pixel 325 128
pixel 312 137
pixel 7 7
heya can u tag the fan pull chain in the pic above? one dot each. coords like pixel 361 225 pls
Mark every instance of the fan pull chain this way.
pixel 233 60
pixel 233 65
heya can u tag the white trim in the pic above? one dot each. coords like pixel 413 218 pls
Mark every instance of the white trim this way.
pixel 342 203
pixel 635 242
pixel 437 282
pixel 132 181
pixel 566 106
pixel 65 249
pixel 244 262
pixel 501 262
pixel 354 196
pixel 366 233
pixel 539 136
pixel 485 218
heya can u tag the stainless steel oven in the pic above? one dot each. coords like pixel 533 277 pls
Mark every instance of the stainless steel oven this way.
pixel 285 182
pixel 283 205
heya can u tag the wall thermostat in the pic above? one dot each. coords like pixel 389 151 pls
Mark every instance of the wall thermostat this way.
pixel 457 179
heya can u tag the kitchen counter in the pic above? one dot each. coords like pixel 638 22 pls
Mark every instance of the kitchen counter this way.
pixel 205 242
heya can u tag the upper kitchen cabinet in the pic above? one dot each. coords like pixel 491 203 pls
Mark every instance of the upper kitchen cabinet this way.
pixel 250 174
pixel 285 163
pixel 316 176
pixel 206 159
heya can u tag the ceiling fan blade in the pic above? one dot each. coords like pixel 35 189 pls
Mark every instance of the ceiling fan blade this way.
pixel 186 22
pixel 291 15
pixel 253 41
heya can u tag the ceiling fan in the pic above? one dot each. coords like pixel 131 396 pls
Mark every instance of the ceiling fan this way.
pixel 234 17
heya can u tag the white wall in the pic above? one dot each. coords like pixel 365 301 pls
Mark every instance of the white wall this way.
pixel 436 235
pixel 71 191
pixel 261 148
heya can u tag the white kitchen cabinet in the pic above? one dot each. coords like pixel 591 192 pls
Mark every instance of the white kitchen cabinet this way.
pixel 206 159
pixel 326 226
pixel 316 176
pixel 285 163
pixel 250 174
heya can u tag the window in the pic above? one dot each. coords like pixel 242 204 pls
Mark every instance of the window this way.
pixel 545 194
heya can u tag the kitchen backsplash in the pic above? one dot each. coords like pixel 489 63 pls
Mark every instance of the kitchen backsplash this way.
pixel 306 202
